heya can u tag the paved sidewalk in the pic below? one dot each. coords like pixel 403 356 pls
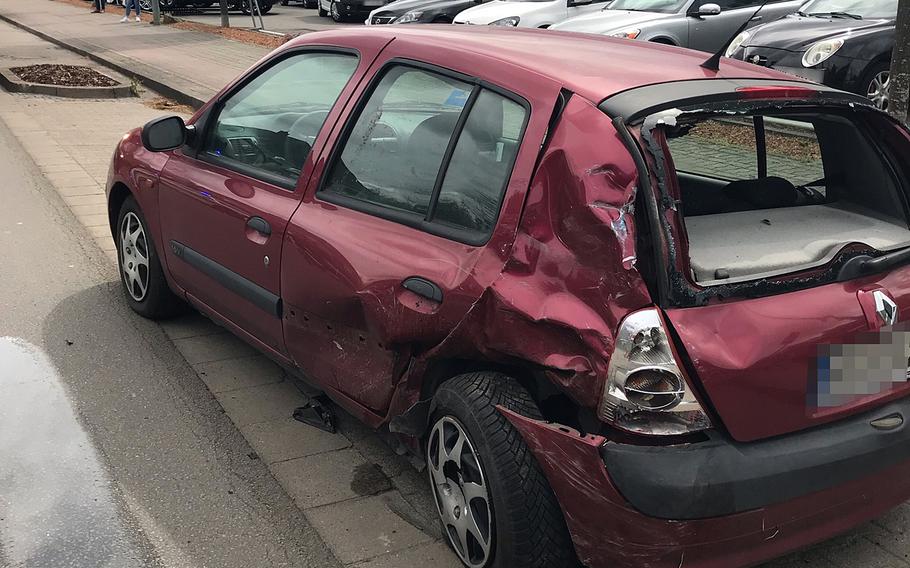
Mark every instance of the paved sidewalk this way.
pixel 187 66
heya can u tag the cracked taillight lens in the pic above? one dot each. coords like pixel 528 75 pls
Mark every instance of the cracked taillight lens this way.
pixel 646 392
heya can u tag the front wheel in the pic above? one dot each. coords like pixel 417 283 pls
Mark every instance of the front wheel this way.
pixel 878 85
pixel 335 10
pixel 495 504
pixel 140 270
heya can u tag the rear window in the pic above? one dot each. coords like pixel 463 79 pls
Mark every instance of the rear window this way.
pixel 771 194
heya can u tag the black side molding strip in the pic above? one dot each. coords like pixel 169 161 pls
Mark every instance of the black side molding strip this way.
pixel 246 289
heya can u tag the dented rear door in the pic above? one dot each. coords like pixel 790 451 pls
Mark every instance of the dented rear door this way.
pixel 370 278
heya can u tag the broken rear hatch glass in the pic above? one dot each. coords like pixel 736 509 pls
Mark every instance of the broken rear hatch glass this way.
pixel 772 214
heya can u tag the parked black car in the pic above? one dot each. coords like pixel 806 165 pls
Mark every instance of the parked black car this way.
pixel 845 44
pixel 420 11
pixel 177 5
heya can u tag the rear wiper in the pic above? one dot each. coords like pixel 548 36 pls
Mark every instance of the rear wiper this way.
pixel 835 15
pixel 864 264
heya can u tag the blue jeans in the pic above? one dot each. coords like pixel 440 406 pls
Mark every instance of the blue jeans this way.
pixel 132 4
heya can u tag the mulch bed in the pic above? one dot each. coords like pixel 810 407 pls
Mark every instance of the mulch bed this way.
pixel 67 75
pixel 236 34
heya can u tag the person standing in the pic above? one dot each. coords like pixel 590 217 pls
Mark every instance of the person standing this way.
pixel 134 4
pixel 99 6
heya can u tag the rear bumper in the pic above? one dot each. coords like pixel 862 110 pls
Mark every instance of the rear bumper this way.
pixel 610 531
pixel 720 477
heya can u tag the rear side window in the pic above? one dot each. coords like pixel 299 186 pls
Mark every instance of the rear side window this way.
pixel 431 151
pixel 267 128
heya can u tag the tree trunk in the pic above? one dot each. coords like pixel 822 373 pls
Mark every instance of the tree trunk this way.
pixel 224 13
pixel 900 64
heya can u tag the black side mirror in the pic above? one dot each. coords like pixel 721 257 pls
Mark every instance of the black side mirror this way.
pixel 165 133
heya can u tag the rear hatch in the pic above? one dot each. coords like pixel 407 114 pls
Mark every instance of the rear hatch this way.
pixel 773 212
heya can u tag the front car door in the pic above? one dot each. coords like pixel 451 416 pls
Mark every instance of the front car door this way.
pixel 710 33
pixel 226 202
pixel 411 220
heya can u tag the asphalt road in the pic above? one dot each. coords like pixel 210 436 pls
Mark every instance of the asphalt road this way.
pixel 114 453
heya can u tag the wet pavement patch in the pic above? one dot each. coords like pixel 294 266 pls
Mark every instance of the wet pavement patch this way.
pixel 56 504
pixel 369 479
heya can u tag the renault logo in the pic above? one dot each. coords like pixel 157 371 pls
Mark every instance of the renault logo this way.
pixel 885 308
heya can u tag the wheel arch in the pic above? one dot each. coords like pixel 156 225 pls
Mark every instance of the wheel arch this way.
pixel 555 405
pixel 118 194
pixel 664 40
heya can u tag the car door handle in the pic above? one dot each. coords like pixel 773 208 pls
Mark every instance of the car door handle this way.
pixel 259 225
pixel 423 287
pixel 756 19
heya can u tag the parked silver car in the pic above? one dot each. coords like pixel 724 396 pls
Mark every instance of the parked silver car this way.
pixel 698 24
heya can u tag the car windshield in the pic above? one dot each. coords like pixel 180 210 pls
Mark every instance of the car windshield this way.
pixel 663 6
pixel 866 9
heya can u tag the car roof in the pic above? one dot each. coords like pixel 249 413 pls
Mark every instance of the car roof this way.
pixel 591 65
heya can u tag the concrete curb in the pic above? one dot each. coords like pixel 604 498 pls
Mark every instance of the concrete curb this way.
pixel 12 83
pixel 177 93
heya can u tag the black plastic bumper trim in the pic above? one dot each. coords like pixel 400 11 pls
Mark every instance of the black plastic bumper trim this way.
pixel 246 289
pixel 721 477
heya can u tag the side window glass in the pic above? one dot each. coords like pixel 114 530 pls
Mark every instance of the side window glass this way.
pixel 269 125
pixel 412 151
pixel 733 4
pixel 395 150
pixel 481 165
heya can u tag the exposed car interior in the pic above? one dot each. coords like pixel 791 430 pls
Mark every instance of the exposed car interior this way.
pixel 767 195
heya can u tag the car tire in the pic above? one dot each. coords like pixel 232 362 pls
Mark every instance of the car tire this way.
pixel 512 507
pixel 310 4
pixel 876 83
pixel 321 11
pixel 141 275
pixel 335 11
pixel 265 8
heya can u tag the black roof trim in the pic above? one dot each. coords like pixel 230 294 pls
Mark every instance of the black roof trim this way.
pixel 635 104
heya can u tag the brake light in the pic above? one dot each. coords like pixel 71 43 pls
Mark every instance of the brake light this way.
pixel 776 92
pixel 646 391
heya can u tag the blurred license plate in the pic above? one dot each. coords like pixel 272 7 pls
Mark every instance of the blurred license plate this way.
pixel 878 363
pixel 373 3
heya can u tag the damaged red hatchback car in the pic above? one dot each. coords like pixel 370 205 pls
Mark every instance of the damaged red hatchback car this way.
pixel 631 311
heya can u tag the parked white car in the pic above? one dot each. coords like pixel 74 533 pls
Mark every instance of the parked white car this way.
pixel 697 24
pixel 528 13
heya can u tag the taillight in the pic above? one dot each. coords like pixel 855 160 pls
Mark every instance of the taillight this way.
pixel 776 92
pixel 646 392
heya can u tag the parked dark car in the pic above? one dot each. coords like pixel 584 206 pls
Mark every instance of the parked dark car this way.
pixel 176 5
pixel 625 308
pixel 348 10
pixel 420 11
pixel 846 44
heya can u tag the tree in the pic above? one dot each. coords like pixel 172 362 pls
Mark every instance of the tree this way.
pixel 224 13
pixel 900 64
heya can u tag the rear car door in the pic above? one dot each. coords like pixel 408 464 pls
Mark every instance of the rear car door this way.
pixel 225 203
pixel 411 219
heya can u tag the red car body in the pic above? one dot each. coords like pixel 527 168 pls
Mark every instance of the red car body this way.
pixel 546 293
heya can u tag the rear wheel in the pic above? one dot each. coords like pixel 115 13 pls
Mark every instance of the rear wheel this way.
pixel 878 85
pixel 140 270
pixel 494 502
pixel 321 11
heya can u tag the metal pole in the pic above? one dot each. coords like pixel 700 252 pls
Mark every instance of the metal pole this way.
pixel 224 13
pixel 156 12
pixel 253 13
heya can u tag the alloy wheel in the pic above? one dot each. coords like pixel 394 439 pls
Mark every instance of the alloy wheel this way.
pixel 134 256
pixel 460 490
pixel 878 90
pixel 335 11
